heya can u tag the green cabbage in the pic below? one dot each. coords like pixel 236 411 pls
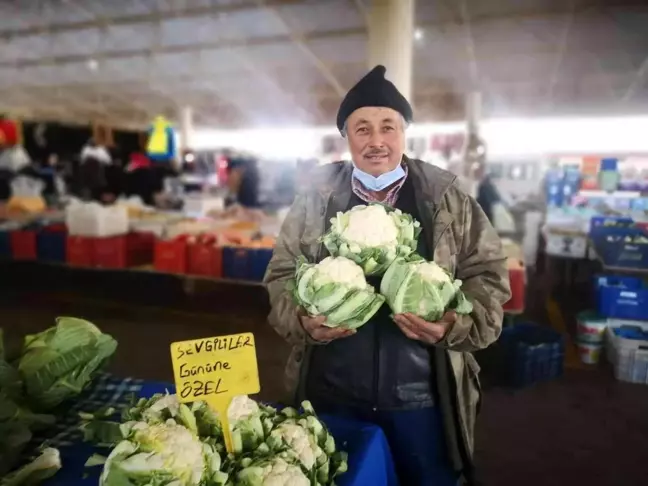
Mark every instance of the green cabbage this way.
pixel 43 467
pixel 373 236
pixel 60 362
pixel 422 288
pixel 336 288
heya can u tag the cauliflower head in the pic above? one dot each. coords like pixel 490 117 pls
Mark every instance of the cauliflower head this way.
pixel 166 449
pixel 372 236
pixel 272 472
pixel 370 226
pixel 335 288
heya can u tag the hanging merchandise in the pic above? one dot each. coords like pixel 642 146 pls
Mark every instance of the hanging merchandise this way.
pixel 10 133
pixel 609 176
pixel 161 144
pixel 589 173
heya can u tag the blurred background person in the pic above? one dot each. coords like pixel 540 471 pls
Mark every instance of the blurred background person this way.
pixel 243 182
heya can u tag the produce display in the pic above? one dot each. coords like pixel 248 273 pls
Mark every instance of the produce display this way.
pixel 373 236
pixel 336 288
pixel 422 288
pixel 53 366
pixel 374 240
pixel 167 443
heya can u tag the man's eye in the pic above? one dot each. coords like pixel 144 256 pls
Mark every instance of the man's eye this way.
pixel 388 129
pixel 362 130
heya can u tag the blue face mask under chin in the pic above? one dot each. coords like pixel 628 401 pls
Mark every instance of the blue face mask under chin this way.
pixel 383 181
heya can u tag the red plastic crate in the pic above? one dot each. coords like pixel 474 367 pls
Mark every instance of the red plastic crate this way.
pixel 205 259
pixel 78 251
pixel 122 251
pixel 23 245
pixel 171 256
pixel 517 278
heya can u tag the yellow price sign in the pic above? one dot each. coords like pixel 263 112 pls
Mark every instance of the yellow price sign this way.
pixel 215 370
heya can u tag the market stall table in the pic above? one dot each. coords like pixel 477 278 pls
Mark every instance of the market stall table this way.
pixel 370 461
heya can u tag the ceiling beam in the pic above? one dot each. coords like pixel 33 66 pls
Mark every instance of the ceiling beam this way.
pixel 275 39
pixel 564 42
pixel 135 19
pixel 638 80
pixel 300 41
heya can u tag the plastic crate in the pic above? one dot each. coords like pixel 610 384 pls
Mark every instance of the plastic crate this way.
pixel 236 262
pixel 259 260
pixel 517 278
pixel 78 251
pixel 122 251
pixel 205 259
pixel 5 244
pixel 619 242
pixel 622 298
pixel 627 351
pixel 51 244
pixel 23 244
pixel 170 255
pixel 530 354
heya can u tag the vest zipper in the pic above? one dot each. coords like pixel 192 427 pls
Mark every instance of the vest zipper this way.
pixel 376 374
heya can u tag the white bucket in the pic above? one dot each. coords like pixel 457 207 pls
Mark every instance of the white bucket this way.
pixel 590 328
pixel 589 353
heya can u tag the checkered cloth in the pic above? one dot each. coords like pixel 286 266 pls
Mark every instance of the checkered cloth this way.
pixel 105 389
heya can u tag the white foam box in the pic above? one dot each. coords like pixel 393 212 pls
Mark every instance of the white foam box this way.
pixel 566 245
pixel 629 357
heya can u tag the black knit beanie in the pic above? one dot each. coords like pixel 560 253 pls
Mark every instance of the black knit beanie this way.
pixel 373 90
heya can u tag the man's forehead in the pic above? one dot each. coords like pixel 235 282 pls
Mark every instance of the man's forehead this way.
pixel 369 114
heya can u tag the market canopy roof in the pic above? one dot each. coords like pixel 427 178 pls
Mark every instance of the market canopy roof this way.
pixel 289 62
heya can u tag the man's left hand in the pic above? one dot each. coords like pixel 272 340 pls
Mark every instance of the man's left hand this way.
pixel 427 332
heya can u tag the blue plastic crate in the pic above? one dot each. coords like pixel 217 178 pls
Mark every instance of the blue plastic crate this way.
pixel 623 303
pixel 5 244
pixel 259 259
pixel 603 225
pixel 236 263
pixel 530 354
pixel 622 245
pixel 51 246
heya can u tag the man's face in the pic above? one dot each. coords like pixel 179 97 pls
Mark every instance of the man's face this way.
pixel 376 139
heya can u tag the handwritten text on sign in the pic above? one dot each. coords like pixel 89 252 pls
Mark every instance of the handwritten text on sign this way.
pixel 219 366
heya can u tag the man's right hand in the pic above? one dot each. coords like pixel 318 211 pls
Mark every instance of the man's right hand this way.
pixel 318 331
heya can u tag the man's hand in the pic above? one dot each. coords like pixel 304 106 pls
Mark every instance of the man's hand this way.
pixel 427 332
pixel 315 327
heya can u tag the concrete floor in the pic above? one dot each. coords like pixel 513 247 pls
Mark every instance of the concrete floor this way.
pixel 585 428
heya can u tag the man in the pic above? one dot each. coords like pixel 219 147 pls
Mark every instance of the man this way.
pixel 487 193
pixel 417 380
pixel 243 181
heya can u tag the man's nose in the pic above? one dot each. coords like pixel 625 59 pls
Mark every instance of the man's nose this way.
pixel 376 140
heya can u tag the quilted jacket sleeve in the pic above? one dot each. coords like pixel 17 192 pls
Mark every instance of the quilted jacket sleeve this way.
pixel 481 266
pixel 283 314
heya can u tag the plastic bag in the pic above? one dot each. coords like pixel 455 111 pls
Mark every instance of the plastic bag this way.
pixel 26 195
pixel 502 219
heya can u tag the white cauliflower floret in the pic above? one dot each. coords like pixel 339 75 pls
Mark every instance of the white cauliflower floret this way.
pixel 302 443
pixel 371 226
pixel 342 271
pixel 169 402
pixel 241 407
pixel 280 473
pixel 173 448
pixel 432 272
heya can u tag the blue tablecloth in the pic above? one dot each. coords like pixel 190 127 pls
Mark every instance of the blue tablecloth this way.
pixel 370 461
